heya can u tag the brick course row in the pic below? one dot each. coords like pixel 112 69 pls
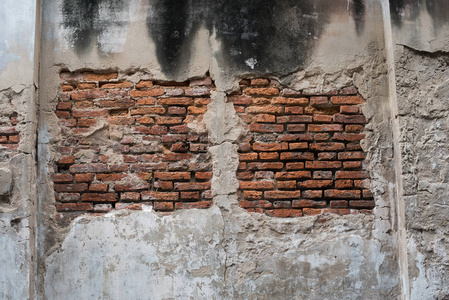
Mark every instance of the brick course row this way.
pixel 303 154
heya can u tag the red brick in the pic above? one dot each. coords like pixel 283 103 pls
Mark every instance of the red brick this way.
pixel 177 110
pixel 252 195
pixel 72 187
pixel 118 85
pixel 353 128
pixel 293 175
pixel 311 211
pixel 172 175
pixel 63 114
pixel 64 106
pixel 265 166
pixel 294 119
pixel 286 185
pixel 259 81
pixel 262 91
pixel 351 155
pixel 296 127
pixel 86 122
pixel 337 211
pixel 350 119
pixel 311 194
pixel 121 121
pixel 120 103
pixel 190 196
pixel 325 127
pixel 264 175
pixel 257 185
pixel 201 204
pixel 282 194
pixel 294 166
pixel 240 100
pixel 322 164
pixel 182 101
pixel 109 177
pixel 367 194
pixel 266 128
pixel 88 177
pixel 146 101
pixel 89 94
pixel 203 175
pixel 245 175
pixel 163 206
pixel 63 178
pixel 290 101
pixel 270 146
pixel 98 187
pixel 322 175
pixel 305 203
pixel 342 194
pixel 322 118
pixel 148 110
pixel 319 101
pixel 264 118
pixel 297 156
pixel 327 155
pixel 345 100
pixel 131 206
pixel 349 109
pixel 353 146
pixel 315 184
pixel 348 136
pixel 295 137
pixel 343 184
pixel 261 101
pixel 352 165
pixel 266 109
pixel 88 168
pixel 159 196
pixel 147 93
pixel 162 185
pixel 130 196
pixel 130 187
pixel 327 146
pixel 99 76
pixel 294 110
pixel 201 81
pixel 89 113
pixel 298 146
pixel 68 197
pixel 248 156
pixel 339 204
pixel 351 175
pixel 284 213
pixel 268 156
pixel 187 186
pixel 74 206
pixel 67 88
pixel 362 203
pixel 144 84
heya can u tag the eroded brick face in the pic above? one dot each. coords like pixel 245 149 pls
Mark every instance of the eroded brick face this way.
pixel 303 153
pixel 126 144
pixel 9 136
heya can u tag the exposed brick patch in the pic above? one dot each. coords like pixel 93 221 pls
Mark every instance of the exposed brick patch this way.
pixel 9 136
pixel 140 147
pixel 303 154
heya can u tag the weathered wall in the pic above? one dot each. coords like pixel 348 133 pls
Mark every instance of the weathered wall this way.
pixel 393 65
pixel 420 35
pixel 229 253
pixel 17 147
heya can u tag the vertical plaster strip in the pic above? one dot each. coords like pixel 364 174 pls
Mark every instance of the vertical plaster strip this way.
pixel 33 191
pixel 400 205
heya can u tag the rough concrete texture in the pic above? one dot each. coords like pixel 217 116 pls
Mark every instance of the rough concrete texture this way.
pixel 17 161
pixel 423 93
pixel 225 252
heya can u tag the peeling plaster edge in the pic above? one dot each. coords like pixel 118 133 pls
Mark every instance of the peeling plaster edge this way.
pixel 400 203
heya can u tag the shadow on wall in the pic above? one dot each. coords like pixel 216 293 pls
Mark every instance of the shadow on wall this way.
pixel 410 10
pixel 256 35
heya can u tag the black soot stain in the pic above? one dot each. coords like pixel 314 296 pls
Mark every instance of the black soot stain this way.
pixel 411 10
pixel 83 18
pixel 257 36
pixel 358 14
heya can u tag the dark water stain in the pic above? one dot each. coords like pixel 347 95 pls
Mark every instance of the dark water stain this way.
pixel 257 36
pixel 358 14
pixel 83 18
pixel 411 10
